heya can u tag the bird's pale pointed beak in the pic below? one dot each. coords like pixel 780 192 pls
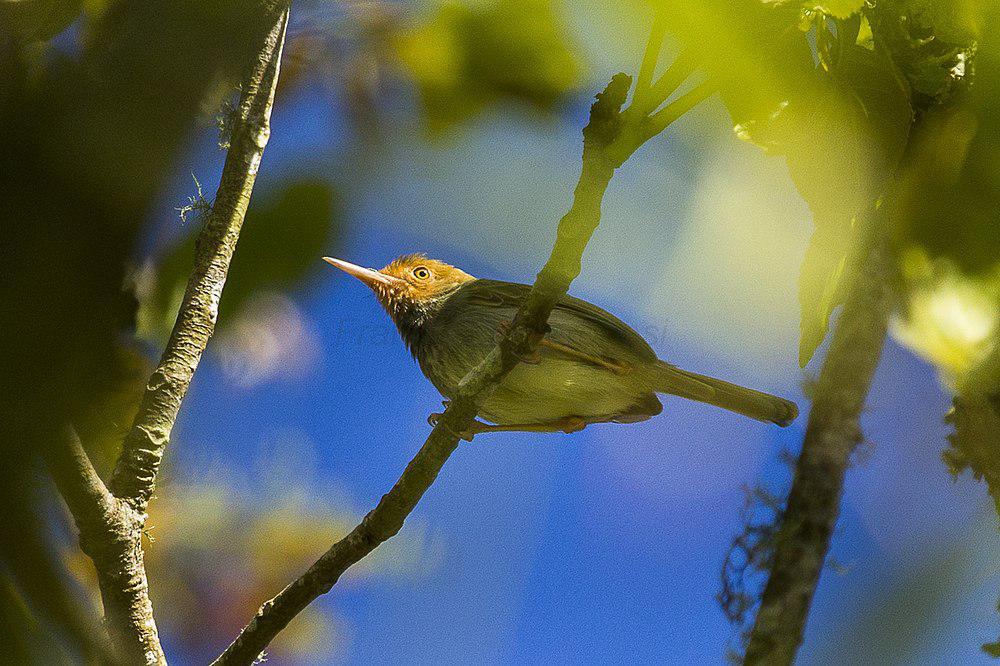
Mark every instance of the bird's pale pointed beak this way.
pixel 368 276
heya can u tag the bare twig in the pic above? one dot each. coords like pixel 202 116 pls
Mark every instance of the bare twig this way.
pixel 678 72
pixel 832 434
pixel 663 118
pixel 111 522
pixel 134 477
pixel 650 57
pixel 609 139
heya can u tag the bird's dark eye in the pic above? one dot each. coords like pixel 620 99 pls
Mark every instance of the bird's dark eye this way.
pixel 421 273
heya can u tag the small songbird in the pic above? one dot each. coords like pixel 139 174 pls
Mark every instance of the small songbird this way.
pixel 590 368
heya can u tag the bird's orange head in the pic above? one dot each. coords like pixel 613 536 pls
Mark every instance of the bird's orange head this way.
pixel 410 287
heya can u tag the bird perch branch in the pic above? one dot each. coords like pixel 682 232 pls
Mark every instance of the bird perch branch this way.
pixel 111 519
pixel 831 436
pixel 610 137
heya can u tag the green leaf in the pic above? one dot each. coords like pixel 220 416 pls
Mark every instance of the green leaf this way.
pixel 865 38
pixel 951 318
pixel 820 284
pixel 843 125
pixel 932 43
pixel 282 238
pixel 842 138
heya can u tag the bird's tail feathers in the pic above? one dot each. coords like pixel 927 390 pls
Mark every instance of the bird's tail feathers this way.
pixel 755 404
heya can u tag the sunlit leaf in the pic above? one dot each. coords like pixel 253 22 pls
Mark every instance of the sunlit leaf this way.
pixel 842 126
pixel 757 56
pixel 949 317
pixel 820 283
pixel 842 143
pixel 865 38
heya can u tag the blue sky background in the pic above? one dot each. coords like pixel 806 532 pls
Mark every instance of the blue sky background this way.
pixel 606 545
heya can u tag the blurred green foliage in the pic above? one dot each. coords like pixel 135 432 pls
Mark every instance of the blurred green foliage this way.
pixel 90 134
pixel 464 57
pixel 95 122
pixel 839 114
pixel 888 116
pixel 945 221
pixel 887 113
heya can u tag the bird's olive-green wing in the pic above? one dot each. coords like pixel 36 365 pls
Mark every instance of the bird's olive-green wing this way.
pixel 573 321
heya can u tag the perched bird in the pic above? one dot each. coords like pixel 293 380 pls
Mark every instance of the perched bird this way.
pixel 590 368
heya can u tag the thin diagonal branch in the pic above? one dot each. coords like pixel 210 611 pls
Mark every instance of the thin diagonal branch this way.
pixel 832 434
pixel 609 138
pixel 680 69
pixel 663 118
pixel 527 329
pixel 134 477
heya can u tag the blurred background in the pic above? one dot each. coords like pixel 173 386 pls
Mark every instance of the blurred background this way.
pixel 453 128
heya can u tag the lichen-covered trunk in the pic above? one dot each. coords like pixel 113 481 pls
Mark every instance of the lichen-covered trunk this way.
pixel 113 539
pixel 831 436
pixel 135 473
pixel 116 550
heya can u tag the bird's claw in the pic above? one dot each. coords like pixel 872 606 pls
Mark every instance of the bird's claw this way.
pixel 435 418
pixel 573 424
pixel 534 358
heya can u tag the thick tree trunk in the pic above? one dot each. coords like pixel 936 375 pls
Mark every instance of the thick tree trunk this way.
pixel 831 436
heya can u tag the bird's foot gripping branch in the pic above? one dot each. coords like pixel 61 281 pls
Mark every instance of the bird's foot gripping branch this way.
pixel 610 137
